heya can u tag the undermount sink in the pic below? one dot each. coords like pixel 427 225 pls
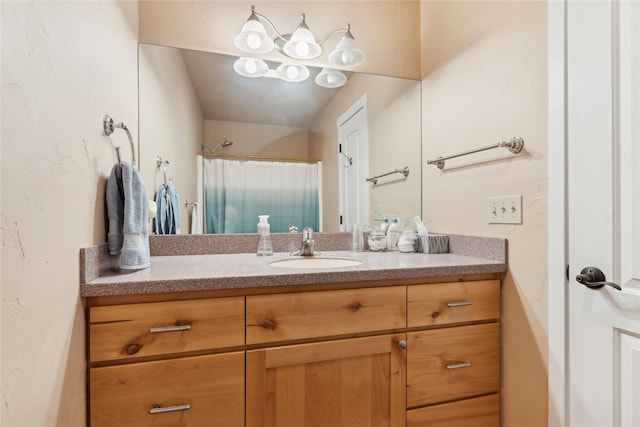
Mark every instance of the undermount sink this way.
pixel 313 262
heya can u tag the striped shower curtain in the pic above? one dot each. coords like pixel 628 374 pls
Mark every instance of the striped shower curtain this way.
pixel 237 191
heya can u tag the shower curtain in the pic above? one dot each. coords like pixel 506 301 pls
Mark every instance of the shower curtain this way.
pixel 237 191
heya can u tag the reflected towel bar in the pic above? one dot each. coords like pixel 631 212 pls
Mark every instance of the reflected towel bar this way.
pixel 404 171
pixel 514 145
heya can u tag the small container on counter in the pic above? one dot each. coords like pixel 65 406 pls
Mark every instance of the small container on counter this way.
pixel 377 241
pixel 407 242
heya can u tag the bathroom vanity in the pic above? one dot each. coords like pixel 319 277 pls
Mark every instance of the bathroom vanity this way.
pixel 228 339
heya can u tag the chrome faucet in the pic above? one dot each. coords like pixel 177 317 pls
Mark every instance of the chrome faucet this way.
pixel 306 247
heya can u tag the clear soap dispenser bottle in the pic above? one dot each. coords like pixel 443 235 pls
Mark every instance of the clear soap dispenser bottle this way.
pixel 264 236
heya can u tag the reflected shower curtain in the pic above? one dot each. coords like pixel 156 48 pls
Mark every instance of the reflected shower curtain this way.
pixel 237 191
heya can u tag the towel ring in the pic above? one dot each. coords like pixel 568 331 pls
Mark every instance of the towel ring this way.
pixel 108 126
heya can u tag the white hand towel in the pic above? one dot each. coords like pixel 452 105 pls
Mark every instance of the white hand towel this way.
pixel 196 226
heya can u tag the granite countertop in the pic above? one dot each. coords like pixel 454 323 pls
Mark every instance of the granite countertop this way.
pixel 197 272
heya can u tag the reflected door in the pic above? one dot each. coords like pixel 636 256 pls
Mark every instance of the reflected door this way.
pixel 353 162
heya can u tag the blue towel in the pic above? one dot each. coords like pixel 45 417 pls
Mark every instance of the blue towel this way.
pixel 115 210
pixel 127 210
pixel 168 215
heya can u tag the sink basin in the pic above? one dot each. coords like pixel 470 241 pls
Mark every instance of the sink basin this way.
pixel 313 262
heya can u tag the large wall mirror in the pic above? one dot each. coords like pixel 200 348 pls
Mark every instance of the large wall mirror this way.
pixel 190 99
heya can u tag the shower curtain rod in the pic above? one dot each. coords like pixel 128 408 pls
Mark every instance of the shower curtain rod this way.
pixel 259 158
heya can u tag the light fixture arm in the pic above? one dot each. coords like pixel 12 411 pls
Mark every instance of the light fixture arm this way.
pixel 346 31
pixel 268 21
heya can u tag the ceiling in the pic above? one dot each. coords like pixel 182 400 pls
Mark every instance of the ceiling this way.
pixel 227 96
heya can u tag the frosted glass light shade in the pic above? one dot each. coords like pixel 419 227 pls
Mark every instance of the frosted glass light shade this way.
pixel 253 38
pixel 347 53
pixel 292 72
pixel 250 67
pixel 330 78
pixel 302 45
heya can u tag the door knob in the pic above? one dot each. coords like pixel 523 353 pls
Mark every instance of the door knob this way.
pixel 594 278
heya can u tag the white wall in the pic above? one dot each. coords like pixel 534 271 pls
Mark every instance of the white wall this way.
pixel 64 65
pixel 393 111
pixel 484 67
pixel 171 125
pixel 256 139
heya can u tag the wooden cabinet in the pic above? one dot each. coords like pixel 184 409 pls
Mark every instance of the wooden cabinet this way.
pixel 393 355
pixel 151 364
pixel 304 315
pixel 352 382
pixel 188 391
pixel 453 354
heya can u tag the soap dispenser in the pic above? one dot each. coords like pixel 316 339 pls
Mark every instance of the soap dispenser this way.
pixel 264 236
pixel 393 234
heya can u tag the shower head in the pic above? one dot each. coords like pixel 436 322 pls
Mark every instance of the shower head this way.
pixel 224 142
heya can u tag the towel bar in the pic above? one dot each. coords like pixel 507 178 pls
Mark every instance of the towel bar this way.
pixel 514 145
pixel 404 171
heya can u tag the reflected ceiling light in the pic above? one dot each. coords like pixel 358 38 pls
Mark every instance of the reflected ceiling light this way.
pixel 253 38
pixel 292 72
pixel 253 67
pixel 250 67
pixel 330 78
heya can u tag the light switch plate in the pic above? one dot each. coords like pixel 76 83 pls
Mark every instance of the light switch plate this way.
pixel 377 212
pixel 505 210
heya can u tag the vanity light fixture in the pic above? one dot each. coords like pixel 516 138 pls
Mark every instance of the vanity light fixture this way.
pixel 330 78
pixel 253 38
pixel 254 67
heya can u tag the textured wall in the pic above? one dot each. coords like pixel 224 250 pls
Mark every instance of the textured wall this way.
pixel 484 67
pixel 64 65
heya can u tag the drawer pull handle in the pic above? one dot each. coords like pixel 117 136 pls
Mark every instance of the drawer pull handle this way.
pixel 459 365
pixel 459 303
pixel 169 329
pixel 162 410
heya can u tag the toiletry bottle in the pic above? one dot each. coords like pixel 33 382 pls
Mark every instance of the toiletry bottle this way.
pixel 393 234
pixel 385 225
pixel 264 236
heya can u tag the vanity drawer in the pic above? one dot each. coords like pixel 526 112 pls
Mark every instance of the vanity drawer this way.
pixel 211 386
pixel 457 302
pixel 292 316
pixel 452 363
pixel 138 330
pixel 477 412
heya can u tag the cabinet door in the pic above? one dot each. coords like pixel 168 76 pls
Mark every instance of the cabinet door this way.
pixel 189 391
pixel 354 382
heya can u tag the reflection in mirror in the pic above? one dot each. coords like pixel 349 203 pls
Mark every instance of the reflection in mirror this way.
pixel 192 101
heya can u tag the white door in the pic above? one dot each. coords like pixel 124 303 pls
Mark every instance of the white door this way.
pixel 353 163
pixel 603 128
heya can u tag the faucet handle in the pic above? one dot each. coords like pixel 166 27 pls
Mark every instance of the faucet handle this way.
pixel 307 233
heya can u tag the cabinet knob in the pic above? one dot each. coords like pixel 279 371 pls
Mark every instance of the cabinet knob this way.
pixel 402 344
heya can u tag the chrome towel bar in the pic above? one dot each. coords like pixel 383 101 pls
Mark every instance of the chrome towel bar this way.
pixel 514 145
pixel 404 171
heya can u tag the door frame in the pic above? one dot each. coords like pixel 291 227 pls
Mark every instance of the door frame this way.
pixel 360 104
pixel 557 251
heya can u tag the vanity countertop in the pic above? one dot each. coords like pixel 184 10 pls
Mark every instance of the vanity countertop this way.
pixel 181 273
